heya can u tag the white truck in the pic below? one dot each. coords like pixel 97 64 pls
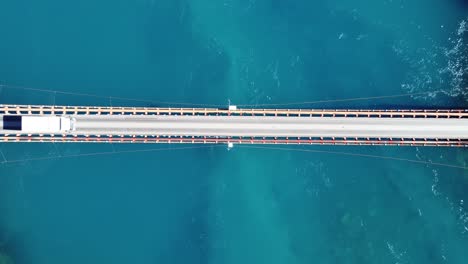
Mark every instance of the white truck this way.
pixel 31 124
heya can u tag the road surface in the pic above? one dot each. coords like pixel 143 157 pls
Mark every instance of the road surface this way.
pixel 265 126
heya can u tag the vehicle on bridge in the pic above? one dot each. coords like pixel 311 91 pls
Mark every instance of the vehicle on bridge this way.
pixel 38 124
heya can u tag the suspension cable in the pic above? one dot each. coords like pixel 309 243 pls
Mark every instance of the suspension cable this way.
pixel 107 97
pixel 105 153
pixel 359 155
pixel 345 99
pixel 223 105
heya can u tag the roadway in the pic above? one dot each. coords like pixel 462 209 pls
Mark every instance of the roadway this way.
pixel 266 126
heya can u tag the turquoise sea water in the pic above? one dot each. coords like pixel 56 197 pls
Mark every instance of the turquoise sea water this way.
pixel 246 205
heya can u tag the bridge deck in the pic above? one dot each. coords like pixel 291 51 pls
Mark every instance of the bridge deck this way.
pixel 259 127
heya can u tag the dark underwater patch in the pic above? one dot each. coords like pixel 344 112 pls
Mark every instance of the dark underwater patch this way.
pixel 16 250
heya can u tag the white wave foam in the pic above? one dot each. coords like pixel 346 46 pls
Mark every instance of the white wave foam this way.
pixel 438 69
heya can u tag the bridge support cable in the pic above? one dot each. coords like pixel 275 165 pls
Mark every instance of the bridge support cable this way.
pixel 3 157
pixel 289 104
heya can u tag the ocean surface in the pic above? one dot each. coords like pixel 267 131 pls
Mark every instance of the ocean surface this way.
pixel 80 203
